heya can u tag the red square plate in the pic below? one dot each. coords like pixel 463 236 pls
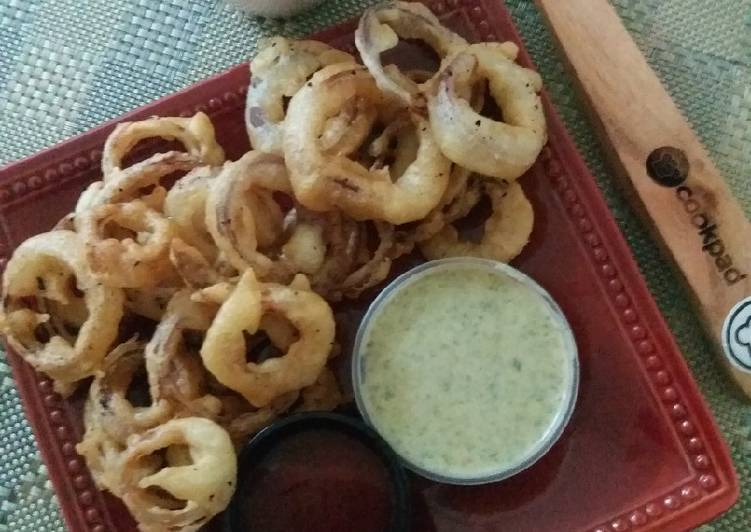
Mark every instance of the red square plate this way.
pixel 642 451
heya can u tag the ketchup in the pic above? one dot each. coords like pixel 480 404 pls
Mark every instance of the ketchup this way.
pixel 318 480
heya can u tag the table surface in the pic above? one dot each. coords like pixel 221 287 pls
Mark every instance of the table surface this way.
pixel 67 65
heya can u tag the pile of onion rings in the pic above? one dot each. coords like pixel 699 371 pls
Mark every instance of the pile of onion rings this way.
pixel 192 294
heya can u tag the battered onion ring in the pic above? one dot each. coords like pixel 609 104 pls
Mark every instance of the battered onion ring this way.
pixel 185 205
pixel 176 375
pixel 108 395
pixel 323 182
pixel 281 67
pixel 141 181
pixel 506 231
pixel 499 149
pixel 191 266
pixel 325 250
pixel 379 30
pixel 129 262
pixel 241 192
pixel 192 483
pixel 345 132
pixel 196 134
pixel 223 350
pixel 110 418
pixel 376 265
pixel 50 271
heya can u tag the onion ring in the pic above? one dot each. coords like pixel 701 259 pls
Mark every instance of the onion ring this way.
pixel 323 182
pixel 507 230
pixel 176 375
pixel 141 181
pixel 504 150
pixel 345 132
pixel 241 191
pixel 110 417
pixel 141 257
pixel 185 205
pixel 191 266
pixel 223 350
pixel 108 395
pixel 196 134
pixel 279 69
pixel 376 265
pixel 379 30
pixel 193 481
pixel 50 271
pixel 335 238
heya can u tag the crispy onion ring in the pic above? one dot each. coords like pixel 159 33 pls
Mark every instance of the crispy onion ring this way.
pixel 191 266
pixel 373 266
pixel 224 347
pixel 140 258
pixel 131 183
pixel 110 417
pixel 278 71
pixel 185 205
pixel 506 231
pixel 345 132
pixel 499 149
pixel 192 481
pixel 379 30
pixel 176 375
pixel 323 182
pixel 196 134
pixel 240 194
pixel 54 313
pixel 322 245
pixel 110 407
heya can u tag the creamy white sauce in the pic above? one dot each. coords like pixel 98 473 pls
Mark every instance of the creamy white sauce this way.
pixel 465 372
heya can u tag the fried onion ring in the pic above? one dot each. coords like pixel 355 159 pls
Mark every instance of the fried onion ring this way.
pixel 191 266
pixel 191 482
pixel 241 193
pixel 506 231
pixel 502 149
pixel 54 313
pixel 176 375
pixel 110 417
pixel 224 347
pixel 185 205
pixel 278 71
pixel 379 30
pixel 325 249
pixel 196 134
pixel 127 244
pixel 375 266
pixel 345 132
pixel 323 182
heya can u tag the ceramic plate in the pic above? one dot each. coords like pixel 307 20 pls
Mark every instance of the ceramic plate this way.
pixel 641 452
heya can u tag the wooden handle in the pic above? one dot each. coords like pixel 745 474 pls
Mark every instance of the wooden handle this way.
pixel 671 179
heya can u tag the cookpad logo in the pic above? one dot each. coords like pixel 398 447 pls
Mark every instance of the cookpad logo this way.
pixel 736 335
pixel 669 167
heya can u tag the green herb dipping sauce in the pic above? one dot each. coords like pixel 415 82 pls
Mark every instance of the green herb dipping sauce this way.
pixel 467 369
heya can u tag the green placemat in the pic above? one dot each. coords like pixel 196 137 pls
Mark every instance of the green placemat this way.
pixel 67 65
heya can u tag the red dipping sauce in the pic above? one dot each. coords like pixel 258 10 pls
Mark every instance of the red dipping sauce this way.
pixel 317 479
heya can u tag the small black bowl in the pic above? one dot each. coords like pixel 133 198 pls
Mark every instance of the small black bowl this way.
pixel 257 448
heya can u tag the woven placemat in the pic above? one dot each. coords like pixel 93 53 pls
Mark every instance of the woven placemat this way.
pixel 67 65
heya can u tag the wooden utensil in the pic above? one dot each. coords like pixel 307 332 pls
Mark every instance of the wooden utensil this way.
pixel 671 180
